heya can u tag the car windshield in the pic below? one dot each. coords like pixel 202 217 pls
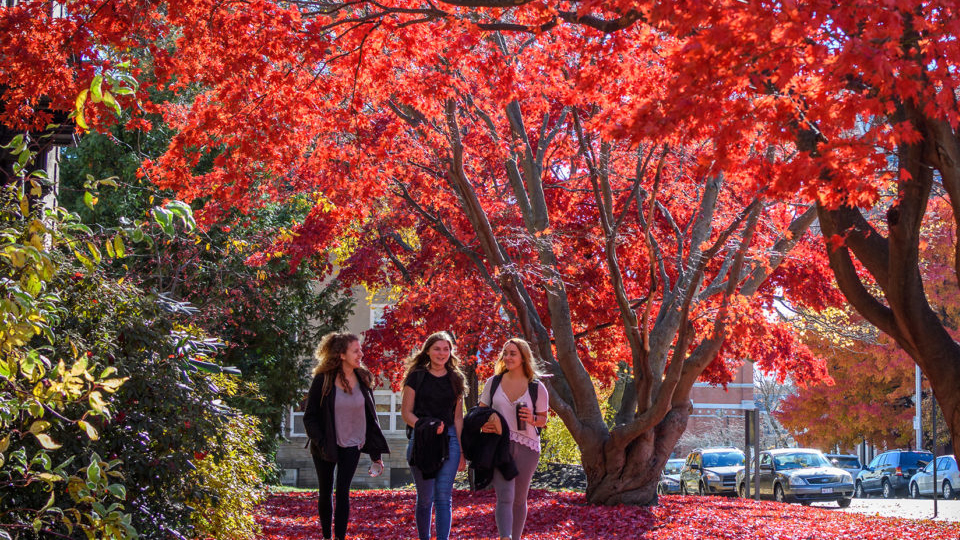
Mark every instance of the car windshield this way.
pixel 846 462
pixel 800 460
pixel 723 459
pixel 910 459
pixel 673 467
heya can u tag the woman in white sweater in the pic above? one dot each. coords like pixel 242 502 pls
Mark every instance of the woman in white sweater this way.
pixel 523 401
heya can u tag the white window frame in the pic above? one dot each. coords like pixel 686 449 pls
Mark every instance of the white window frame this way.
pixel 376 314
pixel 394 423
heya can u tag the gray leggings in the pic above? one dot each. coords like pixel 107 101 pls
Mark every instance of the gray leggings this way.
pixel 511 510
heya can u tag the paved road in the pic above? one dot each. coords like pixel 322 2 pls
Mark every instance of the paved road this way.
pixel 904 508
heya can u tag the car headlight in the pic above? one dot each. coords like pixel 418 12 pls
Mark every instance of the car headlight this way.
pixel 846 478
pixel 797 480
pixel 671 481
pixel 711 476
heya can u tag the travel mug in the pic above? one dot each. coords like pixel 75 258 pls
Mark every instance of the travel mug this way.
pixel 521 425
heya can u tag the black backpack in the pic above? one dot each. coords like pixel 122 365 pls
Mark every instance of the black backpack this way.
pixel 533 387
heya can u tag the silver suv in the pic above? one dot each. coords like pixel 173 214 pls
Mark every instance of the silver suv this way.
pixel 711 471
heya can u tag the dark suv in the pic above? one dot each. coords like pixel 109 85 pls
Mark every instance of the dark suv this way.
pixel 711 471
pixel 889 473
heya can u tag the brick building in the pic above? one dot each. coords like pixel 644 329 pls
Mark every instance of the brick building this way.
pixel 717 417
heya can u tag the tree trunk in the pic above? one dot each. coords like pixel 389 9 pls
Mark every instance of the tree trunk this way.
pixel 903 311
pixel 630 475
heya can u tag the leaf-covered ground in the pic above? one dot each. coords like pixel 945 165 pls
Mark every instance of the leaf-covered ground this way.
pixel 389 514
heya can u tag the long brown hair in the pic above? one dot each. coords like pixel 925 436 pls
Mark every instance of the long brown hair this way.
pixel 329 356
pixel 421 361
pixel 531 366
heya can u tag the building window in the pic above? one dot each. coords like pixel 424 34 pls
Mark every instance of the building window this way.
pixel 388 412
pixel 289 477
pixel 376 314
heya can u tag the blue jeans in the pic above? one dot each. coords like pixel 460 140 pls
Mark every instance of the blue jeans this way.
pixel 436 492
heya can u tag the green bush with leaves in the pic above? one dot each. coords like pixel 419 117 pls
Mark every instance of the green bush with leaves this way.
pixel 557 445
pixel 112 415
pixel 48 399
pixel 269 317
pixel 231 484
pixel 170 416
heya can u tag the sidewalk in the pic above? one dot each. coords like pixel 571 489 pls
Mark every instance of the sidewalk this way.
pixel 903 508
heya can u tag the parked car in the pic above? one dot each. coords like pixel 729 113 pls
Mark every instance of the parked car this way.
pixel 948 479
pixel 803 475
pixel 889 473
pixel 711 471
pixel 847 462
pixel 670 477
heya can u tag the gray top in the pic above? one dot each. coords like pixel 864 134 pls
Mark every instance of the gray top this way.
pixel 351 419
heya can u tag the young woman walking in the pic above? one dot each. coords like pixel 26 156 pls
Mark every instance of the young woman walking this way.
pixel 432 405
pixel 341 421
pixel 523 401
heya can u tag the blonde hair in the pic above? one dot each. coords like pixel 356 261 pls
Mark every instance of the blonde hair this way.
pixel 329 357
pixel 421 361
pixel 531 366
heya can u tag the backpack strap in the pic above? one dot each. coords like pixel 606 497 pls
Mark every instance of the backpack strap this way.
pixel 494 384
pixel 534 388
pixel 416 380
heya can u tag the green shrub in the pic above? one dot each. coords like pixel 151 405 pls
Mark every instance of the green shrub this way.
pixel 112 415
pixel 181 446
pixel 556 443
pixel 232 484
pixel 49 399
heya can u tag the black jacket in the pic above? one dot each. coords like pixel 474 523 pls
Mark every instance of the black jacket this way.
pixel 486 451
pixel 430 449
pixel 320 424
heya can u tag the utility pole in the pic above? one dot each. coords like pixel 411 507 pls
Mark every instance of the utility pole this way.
pixel 933 420
pixel 917 420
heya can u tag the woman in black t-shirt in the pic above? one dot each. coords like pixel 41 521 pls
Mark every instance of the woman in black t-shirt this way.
pixel 433 388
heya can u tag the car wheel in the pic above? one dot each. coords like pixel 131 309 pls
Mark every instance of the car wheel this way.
pixel 702 490
pixel 844 502
pixel 914 491
pixel 741 491
pixel 778 493
pixel 683 488
pixel 887 490
pixel 948 492
pixel 660 491
pixel 858 492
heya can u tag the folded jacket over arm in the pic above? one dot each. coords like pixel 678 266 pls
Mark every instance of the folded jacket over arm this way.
pixel 430 449
pixel 486 451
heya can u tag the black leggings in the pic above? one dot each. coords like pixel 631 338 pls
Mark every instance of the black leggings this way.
pixel 346 466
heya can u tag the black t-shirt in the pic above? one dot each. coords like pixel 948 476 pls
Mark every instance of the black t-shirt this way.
pixel 434 396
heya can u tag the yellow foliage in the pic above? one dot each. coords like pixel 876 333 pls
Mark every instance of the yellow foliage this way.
pixel 232 483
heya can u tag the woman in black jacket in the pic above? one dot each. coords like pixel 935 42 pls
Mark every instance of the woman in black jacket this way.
pixel 341 420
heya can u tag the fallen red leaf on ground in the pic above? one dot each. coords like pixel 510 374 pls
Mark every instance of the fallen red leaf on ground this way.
pixel 383 515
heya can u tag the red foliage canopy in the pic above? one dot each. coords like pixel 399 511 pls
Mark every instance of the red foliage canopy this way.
pixel 621 181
